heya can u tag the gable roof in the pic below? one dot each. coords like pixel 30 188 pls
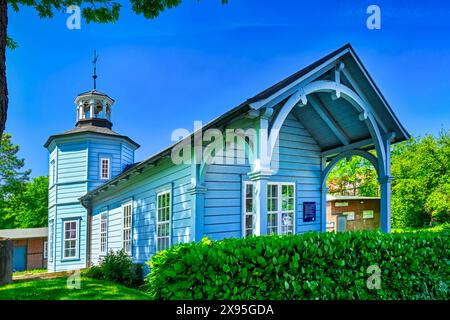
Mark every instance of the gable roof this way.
pixel 287 81
pixel 24 233
pixel 247 105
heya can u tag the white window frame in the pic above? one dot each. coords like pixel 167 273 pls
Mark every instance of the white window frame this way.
pixel 245 212
pixel 104 233
pixel 108 160
pixel 76 239
pixel 51 228
pixel 45 253
pixel 129 228
pixel 52 172
pixel 279 212
pixel 169 222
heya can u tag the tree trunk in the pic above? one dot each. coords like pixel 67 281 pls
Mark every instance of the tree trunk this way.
pixel 3 84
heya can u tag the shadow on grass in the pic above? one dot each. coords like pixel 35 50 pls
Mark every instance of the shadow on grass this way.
pixel 56 289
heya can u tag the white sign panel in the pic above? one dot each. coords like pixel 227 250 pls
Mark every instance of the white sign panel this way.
pixel 341 204
pixel 350 215
pixel 368 214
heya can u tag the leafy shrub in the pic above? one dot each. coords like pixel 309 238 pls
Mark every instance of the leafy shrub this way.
pixel 307 266
pixel 117 267
pixel 444 227
pixel 94 272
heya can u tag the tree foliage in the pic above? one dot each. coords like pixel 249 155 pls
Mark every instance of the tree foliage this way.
pixel 28 207
pixel 421 184
pixel 97 11
pixel 356 177
pixel 23 204
pixel 11 167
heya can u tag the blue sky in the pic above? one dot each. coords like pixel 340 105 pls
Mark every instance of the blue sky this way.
pixel 201 59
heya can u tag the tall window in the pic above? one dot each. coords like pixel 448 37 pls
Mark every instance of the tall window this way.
pixel 50 240
pixel 280 208
pixel 126 237
pixel 103 233
pixel 272 209
pixel 52 174
pixel 249 219
pixel 70 241
pixel 286 209
pixel 45 250
pixel 163 220
pixel 104 168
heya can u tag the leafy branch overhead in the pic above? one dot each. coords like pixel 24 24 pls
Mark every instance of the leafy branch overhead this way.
pixel 98 11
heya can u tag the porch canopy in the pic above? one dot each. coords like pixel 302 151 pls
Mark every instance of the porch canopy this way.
pixel 344 111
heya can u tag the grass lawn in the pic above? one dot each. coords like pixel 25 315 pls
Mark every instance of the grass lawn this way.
pixel 56 289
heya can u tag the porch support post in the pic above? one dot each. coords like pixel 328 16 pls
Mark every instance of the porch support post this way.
pixel 198 211
pixel 385 190
pixel 260 179
pixel 197 191
pixel 262 172
pixel 323 198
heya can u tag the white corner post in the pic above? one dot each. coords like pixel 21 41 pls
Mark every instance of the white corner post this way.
pixel 260 180
pixel 385 189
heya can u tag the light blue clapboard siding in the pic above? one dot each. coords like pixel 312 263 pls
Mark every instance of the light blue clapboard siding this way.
pixel 77 172
pixel 223 199
pixel 75 211
pixel 297 158
pixel 142 190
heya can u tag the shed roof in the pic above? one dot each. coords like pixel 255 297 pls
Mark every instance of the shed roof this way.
pixel 343 198
pixel 24 233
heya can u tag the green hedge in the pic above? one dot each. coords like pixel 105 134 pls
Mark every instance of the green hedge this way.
pixel 307 266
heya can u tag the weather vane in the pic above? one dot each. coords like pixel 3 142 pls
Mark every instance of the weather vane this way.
pixel 94 62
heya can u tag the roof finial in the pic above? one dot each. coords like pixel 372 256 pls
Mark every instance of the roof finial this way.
pixel 94 62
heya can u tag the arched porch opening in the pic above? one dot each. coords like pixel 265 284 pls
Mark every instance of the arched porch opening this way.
pixel 353 193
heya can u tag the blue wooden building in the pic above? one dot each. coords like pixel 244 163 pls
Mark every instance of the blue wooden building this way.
pixel 270 177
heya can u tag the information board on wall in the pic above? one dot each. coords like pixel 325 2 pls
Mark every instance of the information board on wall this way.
pixel 309 211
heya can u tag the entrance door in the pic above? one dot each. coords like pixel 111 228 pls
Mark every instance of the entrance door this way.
pixel 342 224
pixel 19 258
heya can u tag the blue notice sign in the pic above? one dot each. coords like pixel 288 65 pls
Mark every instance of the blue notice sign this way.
pixel 309 211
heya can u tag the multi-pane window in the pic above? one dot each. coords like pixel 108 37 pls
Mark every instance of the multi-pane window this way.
pixel 163 220
pixel 70 242
pixel 280 208
pixel 45 250
pixel 50 240
pixel 287 209
pixel 272 209
pixel 104 168
pixel 126 237
pixel 103 233
pixel 249 219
